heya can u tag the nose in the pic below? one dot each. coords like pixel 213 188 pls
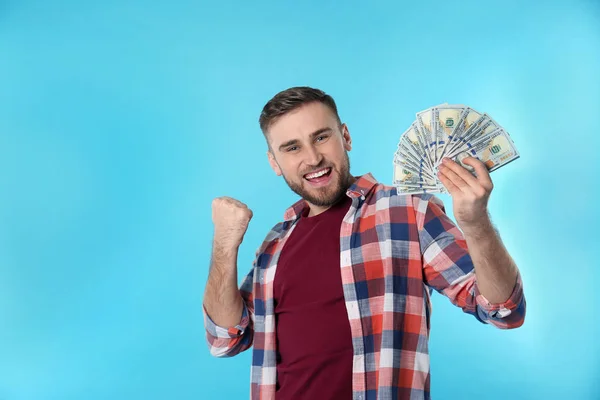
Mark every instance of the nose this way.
pixel 313 156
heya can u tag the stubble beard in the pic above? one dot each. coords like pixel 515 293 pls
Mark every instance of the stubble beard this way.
pixel 325 196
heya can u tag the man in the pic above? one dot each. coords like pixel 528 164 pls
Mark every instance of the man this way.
pixel 337 304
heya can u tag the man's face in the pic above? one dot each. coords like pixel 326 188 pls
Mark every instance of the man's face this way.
pixel 309 148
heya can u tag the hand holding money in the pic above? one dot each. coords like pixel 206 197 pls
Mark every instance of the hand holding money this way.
pixel 230 218
pixel 469 193
pixel 449 131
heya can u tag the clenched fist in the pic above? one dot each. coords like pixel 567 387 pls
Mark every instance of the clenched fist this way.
pixel 231 218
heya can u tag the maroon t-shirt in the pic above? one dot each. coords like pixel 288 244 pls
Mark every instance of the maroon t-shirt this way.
pixel 314 342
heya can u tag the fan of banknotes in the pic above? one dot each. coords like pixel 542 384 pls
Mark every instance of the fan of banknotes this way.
pixel 452 131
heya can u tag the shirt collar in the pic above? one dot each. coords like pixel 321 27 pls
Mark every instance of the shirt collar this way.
pixel 359 188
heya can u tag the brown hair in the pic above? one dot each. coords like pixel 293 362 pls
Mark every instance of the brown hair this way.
pixel 291 99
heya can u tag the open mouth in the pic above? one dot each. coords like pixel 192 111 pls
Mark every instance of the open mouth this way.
pixel 319 176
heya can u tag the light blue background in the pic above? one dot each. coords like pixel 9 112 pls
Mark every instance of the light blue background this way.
pixel 121 120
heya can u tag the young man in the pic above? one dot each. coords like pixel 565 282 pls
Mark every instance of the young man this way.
pixel 337 304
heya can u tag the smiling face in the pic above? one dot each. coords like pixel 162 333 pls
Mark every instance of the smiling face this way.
pixel 308 147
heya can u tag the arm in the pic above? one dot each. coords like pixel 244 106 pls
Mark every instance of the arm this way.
pixel 495 269
pixel 229 339
pixel 449 269
pixel 498 280
pixel 222 299
pixel 228 311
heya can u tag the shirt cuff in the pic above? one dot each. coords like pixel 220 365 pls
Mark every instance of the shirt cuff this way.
pixel 503 310
pixel 227 333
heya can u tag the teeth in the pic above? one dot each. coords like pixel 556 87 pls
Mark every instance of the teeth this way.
pixel 317 174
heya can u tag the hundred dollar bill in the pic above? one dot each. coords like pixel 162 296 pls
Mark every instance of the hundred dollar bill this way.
pixel 470 126
pixel 411 166
pixel 408 155
pixel 427 130
pixel 446 121
pixel 412 140
pixel 403 176
pixel 483 132
pixel 408 163
pixel 406 150
pixel 467 121
pixel 455 131
pixel 480 131
pixel 412 190
pixel 494 151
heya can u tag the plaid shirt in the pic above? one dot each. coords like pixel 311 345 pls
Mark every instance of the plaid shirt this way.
pixel 395 249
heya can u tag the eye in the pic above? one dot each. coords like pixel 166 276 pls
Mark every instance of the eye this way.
pixel 293 148
pixel 321 138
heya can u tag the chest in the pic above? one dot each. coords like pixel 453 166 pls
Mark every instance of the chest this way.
pixel 374 253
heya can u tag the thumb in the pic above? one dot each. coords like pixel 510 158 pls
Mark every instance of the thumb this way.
pixel 481 171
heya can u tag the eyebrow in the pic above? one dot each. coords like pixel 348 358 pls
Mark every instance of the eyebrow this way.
pixel 312 135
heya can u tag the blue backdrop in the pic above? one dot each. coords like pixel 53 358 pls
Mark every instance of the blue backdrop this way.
pixel 120 121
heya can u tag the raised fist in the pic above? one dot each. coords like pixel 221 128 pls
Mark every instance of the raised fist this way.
pixel 231 218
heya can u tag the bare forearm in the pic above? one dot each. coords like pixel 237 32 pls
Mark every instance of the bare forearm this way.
pixel 222 299
pixel 495 269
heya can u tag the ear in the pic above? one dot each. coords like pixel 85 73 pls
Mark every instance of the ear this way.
pixel 346 137
pixel 273 163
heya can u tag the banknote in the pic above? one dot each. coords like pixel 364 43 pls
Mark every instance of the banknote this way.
pixel 413 140
pixel 494 151
pixel 405 176
pixel 468 120
pixel 426 128
pixel 454 131
pixel 480 131
pixel 408 163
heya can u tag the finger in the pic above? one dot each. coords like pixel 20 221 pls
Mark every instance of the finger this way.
pixel 483 175
pixel 461 171
pixel 234 202
pixel 451 187
pixel 457 180
pixel 239 204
